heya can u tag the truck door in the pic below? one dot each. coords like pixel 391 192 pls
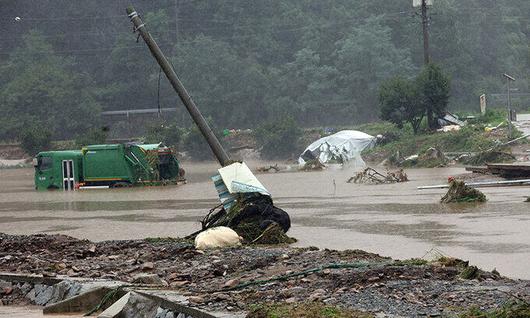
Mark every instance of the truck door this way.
pixel 68 175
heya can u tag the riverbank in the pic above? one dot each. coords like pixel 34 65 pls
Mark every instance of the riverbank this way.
pixel 239 278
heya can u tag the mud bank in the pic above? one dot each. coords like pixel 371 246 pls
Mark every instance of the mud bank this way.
pixel 233 280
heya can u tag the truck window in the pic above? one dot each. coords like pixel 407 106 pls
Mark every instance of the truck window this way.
pixel 44 163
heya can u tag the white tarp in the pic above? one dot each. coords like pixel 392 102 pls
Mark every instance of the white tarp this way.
pixel 236 178
pixel 239 179
pixel 344 146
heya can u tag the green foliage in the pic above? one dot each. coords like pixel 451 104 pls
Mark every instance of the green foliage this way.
pixel 168 133
pixel 196 146
pixel 399 100
pixel 94 136
pixel 433 87
pixel 278 138
pixel 320 61
pixel 468 139
pixel 512 309
pixel 42 87
pixel 492 117
pixel 35 138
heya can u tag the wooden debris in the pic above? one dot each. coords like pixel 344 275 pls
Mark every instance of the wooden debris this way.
pixel 370 175
pixel 460 192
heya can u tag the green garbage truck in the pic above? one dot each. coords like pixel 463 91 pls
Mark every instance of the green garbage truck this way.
pixel 109 165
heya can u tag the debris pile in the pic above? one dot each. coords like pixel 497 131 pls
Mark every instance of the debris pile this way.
pixel 251 218
pixel 370 175
pixel 460 192
pixel 237 278
pixel 313 165
pixel 491 156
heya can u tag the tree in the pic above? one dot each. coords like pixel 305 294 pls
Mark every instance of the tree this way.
pixel 399 101
pixel 34 139
pixel 365 57
pixel 433 87
pixel 43 91
pixel 278 138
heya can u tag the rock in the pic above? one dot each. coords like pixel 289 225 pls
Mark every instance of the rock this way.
pixel 92 248
pixel 290 300
pixel 113 257
pixel 317 294
pixel 59 291
pixel 161 312
pixel 147 266
pixel 43 294
pixel 150 279
pixel 231 283
pixel 7 290
pixel 170 314
pixel 196 299
pixel 25 288
pixel 75 289
pixel 179 283
pixel 139 306
pixel 31 295
pixel 181 315
pixel 221 296
pixel 60 266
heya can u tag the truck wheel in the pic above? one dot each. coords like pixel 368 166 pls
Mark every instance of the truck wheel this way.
pixel 121 185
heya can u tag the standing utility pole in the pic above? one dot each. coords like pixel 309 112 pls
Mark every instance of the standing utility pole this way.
pixel 508 80
pixel 205 129
pixel 425 23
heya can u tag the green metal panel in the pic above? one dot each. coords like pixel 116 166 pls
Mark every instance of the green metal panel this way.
pixel 106 163
pixel 49 174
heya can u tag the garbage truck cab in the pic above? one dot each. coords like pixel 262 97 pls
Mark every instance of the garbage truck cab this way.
pixel 57 169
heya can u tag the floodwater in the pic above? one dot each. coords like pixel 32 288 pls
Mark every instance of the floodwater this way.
pixel 394 220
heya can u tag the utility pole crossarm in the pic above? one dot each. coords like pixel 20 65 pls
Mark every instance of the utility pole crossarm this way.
pixel 196 115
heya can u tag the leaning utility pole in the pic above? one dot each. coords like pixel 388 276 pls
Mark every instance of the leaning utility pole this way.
pixel 205 129
pixel 425 23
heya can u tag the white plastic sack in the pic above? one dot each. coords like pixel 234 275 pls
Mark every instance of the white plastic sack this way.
pixel 344 146
pixel 215 237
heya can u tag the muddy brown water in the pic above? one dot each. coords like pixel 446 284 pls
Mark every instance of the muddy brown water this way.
pixel 393 220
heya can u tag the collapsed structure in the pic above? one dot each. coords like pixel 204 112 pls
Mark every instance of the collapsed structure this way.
pixel 342 147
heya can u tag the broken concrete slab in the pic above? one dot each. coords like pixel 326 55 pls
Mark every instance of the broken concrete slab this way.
pixel 81 303
pixel 115 309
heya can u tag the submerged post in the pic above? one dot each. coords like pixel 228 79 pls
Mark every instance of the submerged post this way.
pixel 196 115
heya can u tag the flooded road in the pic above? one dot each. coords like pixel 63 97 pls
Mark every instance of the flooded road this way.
pixel 393 220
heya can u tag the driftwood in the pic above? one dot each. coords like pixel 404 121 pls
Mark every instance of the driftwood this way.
pixel 460 192
pixel 370 175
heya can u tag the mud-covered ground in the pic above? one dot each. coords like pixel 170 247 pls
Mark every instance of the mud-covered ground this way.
pixel 236 278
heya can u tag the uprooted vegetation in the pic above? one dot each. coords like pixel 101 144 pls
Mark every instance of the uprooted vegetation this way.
pixel 370 175
pixel 460 192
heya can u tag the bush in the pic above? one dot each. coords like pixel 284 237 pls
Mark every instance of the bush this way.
pixel 34 139
pixel 196 146
pixel 169 134
pixel 279 138
pixel 94 136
